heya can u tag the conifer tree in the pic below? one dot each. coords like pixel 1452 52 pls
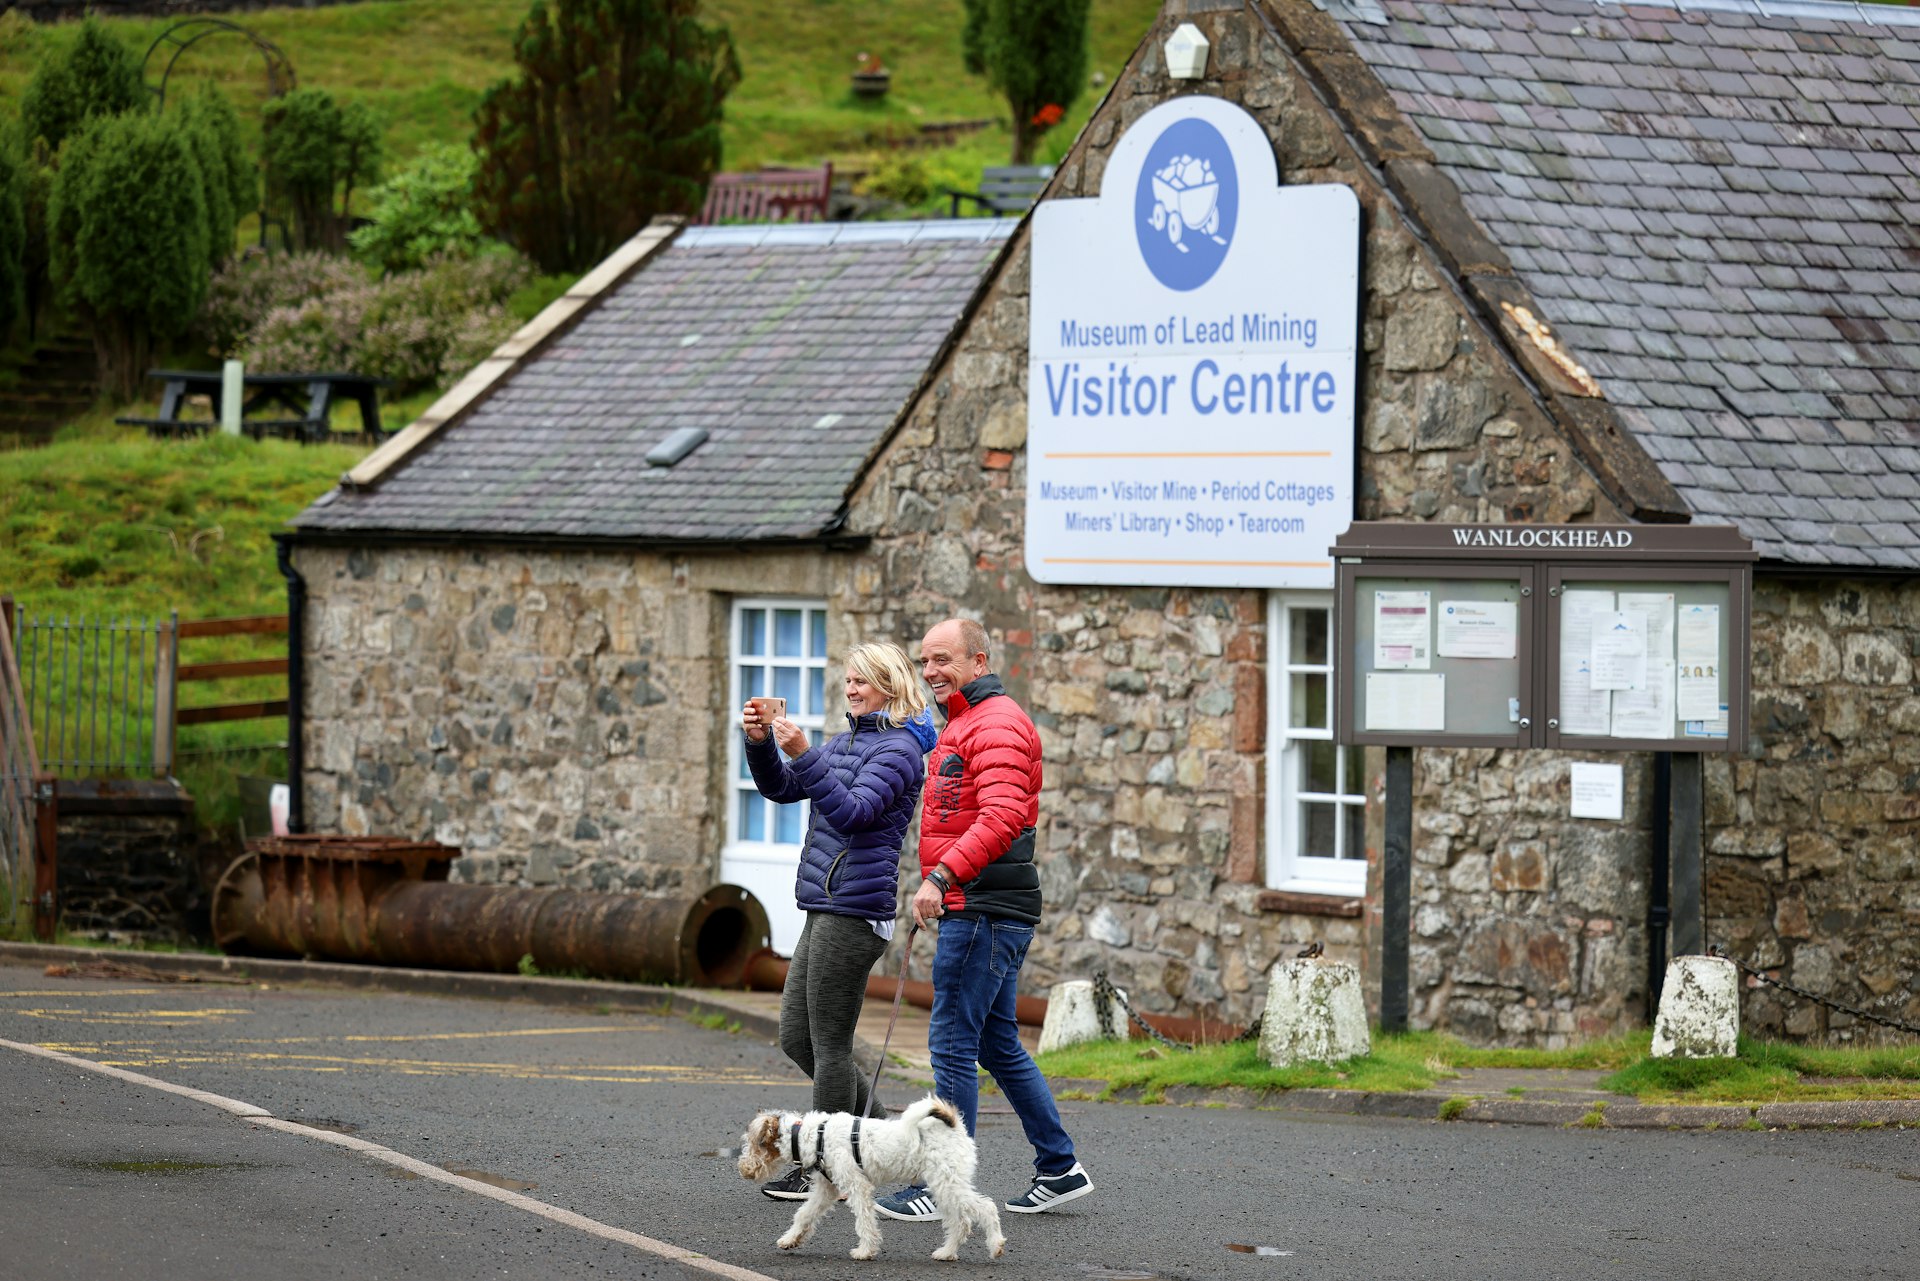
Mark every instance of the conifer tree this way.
pixel 614 117
pixel 1034 52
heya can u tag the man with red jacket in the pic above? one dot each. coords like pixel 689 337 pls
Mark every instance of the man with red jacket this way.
pixel 977 818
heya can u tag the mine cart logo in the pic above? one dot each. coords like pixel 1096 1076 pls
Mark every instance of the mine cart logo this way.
pixel 1186 204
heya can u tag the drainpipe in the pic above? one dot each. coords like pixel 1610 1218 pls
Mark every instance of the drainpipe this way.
pixel 1658 912
pixel 296 683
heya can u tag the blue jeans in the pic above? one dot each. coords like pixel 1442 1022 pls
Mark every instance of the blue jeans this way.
pixel 976 969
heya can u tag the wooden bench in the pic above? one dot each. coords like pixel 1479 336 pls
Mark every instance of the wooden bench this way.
pixel 770 195
pixel 1006 189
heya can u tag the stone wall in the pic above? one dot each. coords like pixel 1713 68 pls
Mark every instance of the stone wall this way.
pixel 129 858
pixel 1151 701
pixel 1813 851
pixel 557 715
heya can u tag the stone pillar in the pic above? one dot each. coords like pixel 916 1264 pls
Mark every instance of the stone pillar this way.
pixel 1073 1016
pixel 1699 1010
pixel 1315 1012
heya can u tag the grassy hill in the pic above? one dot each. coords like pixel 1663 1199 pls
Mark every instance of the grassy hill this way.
pixel 423 64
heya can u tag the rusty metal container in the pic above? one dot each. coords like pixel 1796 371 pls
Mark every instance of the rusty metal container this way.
pixel 387 901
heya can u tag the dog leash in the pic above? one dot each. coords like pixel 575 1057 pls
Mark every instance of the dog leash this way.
pixel 906 951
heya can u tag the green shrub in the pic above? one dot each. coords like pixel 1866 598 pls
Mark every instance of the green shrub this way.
pixel 316 152
pixel 13 236
pixel 129 232
pixel 226 168
pixel 91 75
pixel 424 211
pixel 615 117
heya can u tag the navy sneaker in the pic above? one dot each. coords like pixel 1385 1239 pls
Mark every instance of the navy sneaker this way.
pixel 791 1186
pixel 911 1204
pixel 1051 1191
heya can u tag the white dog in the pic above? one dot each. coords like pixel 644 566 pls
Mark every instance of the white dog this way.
pixel 927 1144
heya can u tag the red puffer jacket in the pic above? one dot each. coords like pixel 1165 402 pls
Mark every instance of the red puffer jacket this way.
pixel 981 801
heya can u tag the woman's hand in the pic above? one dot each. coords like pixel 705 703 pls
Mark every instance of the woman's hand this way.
pixel 750 722
pixel 791 738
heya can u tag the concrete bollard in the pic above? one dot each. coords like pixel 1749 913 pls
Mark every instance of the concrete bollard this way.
pixel 1699 1014
pixel 1315 1013
pixel 1073 1016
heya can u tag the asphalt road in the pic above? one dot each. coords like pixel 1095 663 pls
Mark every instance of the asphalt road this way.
pixel 627 1121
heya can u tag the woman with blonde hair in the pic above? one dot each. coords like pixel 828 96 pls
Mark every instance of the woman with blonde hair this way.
pixel 863 785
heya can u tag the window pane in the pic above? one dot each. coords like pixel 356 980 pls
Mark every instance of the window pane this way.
pixel 786 632
pixel 1355 818
pixel 1307 704
pixel 753 817
pixel 1308 628
pixel 1316 829
pixel 817 691
pixel 753 631
pixel 817 630
pixel 1317 761
pixel 786 824
pixel 786 684
pixel 745 771
pixel 1353 771
pixel 753 682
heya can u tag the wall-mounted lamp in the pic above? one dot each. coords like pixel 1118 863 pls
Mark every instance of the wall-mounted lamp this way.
pixel 1187 53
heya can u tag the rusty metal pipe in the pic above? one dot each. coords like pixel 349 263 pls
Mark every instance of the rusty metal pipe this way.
pixel 388 902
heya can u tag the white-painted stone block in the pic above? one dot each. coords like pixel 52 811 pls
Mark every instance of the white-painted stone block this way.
pixel 1073 1016
pixel 1699 1014
pixel 1315 1013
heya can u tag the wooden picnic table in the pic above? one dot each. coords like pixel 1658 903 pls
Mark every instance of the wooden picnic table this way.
pixel 304 400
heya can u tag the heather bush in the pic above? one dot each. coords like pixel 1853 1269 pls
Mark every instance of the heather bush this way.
pixel 414 328
pixel 250 288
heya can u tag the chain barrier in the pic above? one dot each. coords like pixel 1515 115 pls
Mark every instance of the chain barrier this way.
pixel 1720 951
pixel 1106 995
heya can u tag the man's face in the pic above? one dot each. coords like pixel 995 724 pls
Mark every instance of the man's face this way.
pixel 945 663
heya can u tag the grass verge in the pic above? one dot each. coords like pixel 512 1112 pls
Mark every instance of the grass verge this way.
pixel 1764 1072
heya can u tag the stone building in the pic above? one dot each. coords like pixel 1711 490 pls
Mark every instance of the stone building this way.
pixel 1619 265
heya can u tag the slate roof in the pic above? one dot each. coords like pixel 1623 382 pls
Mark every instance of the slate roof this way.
pixel 1718 212
pixel 796 347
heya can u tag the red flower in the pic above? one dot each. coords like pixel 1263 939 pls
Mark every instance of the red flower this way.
pixel 1048 116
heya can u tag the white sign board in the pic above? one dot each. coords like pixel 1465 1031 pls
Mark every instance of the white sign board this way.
pixel 1599 790
pixel 1191 364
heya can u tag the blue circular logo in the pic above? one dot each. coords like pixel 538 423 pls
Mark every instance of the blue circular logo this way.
pixel 1187 204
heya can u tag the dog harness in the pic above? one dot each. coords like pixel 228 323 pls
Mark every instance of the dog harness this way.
pixel 820 1144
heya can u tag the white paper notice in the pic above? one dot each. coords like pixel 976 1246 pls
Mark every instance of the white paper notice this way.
pixel 1700 663
pixel 1599 791
pixel 1411 701
pixel 1478 628
pixel 1620 650
pixel 1583 709
pixel 1403 630
pixel 1648 712
pixel 1656 608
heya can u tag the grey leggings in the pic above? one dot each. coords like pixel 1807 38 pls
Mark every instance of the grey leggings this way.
pixel 826 984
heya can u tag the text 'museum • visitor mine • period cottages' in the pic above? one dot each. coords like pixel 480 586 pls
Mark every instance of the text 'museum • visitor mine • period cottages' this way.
pixel 1542 262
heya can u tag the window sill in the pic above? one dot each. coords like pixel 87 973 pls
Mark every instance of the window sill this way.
pixel 1303 904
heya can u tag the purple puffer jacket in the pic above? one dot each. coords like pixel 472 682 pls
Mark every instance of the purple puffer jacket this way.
pixel 864 785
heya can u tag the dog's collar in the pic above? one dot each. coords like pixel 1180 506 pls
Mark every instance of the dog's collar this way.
pixel 793 1137
pixel 853 1141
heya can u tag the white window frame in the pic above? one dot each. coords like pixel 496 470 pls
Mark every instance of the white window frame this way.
pixel 1286 867
pixel 811 719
